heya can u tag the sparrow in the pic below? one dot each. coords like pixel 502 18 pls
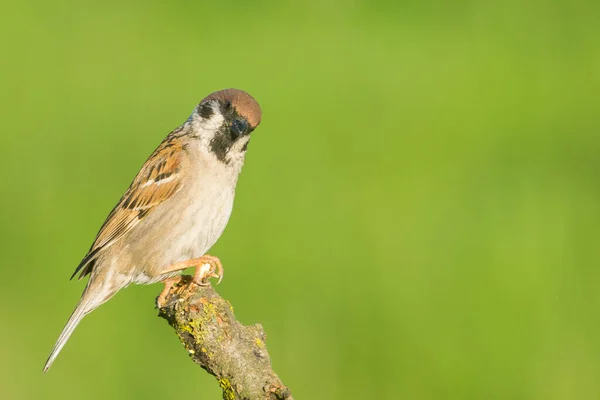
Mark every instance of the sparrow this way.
pixel 174 210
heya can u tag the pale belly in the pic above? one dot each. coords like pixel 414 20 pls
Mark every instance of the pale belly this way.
pixel 181 233
pixel 201 228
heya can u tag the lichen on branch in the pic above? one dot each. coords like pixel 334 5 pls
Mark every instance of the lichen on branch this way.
pixel 235 354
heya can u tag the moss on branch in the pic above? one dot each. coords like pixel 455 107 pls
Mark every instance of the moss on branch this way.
pixel 235 354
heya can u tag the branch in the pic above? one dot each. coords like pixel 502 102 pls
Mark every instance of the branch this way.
pixel 235 354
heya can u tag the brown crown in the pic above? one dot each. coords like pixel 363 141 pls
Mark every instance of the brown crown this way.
pixel 244 104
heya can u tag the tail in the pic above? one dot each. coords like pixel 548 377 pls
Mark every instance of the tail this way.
pixel 90 300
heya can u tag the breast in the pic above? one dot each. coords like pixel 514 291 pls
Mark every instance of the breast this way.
pixel 204 221
pixel 188 226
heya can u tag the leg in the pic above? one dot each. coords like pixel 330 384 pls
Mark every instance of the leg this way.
pixel 203 272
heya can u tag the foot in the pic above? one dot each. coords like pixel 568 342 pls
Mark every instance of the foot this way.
pixel 169 283
pixel 207 267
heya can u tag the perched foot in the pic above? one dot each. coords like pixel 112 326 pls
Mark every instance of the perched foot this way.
pixel 207 267
pixel 169 283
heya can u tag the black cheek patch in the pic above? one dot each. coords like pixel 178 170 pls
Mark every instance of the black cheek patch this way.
pixel 206 111
pixel 220 144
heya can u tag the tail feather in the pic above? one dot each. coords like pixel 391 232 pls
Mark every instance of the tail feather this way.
pixel 91 299
pixel 80 311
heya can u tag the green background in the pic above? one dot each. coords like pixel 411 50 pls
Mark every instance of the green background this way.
pixel 418 217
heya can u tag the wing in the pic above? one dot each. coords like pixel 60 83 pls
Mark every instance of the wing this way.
pixel 158 180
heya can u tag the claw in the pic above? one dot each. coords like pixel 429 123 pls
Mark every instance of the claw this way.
pixel 219 273
pixel 169 283
pixel 206 267
pixel 211 268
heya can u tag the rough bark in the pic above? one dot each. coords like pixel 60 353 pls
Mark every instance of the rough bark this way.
pixel 235 354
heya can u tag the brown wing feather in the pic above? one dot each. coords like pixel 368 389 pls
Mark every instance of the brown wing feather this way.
pixel 156 182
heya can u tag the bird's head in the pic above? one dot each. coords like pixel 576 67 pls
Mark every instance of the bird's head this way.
pixel 223 122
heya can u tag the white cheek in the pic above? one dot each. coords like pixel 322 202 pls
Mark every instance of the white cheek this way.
pixel 209 126
pixel 213 123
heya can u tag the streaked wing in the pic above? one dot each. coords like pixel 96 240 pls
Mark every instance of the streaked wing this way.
pixel 157 181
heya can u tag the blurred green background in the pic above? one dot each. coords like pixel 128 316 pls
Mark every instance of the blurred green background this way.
pixel 418 217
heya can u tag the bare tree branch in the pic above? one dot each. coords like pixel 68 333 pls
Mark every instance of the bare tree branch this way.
pixel 235 354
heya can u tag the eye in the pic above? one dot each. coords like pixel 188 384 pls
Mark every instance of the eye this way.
pixel 227 105
pixel 239 127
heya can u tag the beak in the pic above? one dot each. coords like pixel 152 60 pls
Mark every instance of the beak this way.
pixel 239 126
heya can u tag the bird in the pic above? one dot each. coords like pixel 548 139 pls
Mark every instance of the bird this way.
pixel 175 209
